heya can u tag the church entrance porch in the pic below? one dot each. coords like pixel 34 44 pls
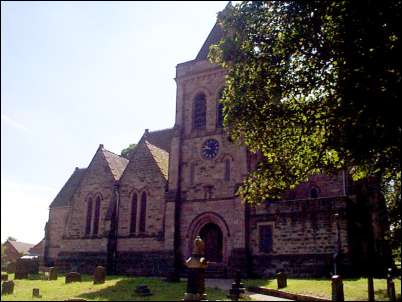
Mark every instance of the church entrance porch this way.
pixel 213 229
pixel 212 236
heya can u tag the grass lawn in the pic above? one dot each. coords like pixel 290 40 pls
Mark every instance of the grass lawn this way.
pixel 354 289
pixel 114 289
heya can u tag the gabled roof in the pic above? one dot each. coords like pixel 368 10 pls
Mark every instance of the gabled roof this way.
pixel 21 247
pixel 160 138
pixel 214 37
pixel 63 198
pixel 117 163
pixel 161 158
pixel 150 158
pixel 37 249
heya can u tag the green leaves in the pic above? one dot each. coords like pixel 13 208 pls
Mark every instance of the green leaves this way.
pixel 310 87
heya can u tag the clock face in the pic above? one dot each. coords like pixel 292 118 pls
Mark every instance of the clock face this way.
pixel 210 148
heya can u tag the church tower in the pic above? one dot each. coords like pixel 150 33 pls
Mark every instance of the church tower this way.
pixel 205 168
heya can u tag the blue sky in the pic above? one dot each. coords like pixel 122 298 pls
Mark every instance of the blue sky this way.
pixel 78 74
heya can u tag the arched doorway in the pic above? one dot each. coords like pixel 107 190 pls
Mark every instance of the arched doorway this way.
pixel 212 236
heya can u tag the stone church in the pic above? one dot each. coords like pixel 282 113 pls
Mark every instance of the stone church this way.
pixel 140 214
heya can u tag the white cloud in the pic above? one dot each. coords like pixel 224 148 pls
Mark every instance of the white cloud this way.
pixel 24 210
pixel 13 123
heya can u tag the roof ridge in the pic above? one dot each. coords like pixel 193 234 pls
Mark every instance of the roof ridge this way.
pixel 104 149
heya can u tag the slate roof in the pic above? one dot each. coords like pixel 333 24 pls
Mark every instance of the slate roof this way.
pixel 116 163
pixel 21 247
pixel 160 138
pixel 37 249
pixel 213 38
pixel 161 158
pixel 150 158
pixel 63 198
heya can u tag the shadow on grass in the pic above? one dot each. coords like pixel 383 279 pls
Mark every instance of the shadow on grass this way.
pixel 124 290
pixel 382 295
pixel 260 282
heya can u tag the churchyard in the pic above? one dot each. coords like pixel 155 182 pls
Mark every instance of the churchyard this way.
pixel 115 288
pixel 124 288
pixel 354 289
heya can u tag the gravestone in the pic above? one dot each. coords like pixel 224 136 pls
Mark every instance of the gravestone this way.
pixel 99 275
pixel 4 277
pixel 237 287
pixel 35 293
pixel 281 279
pixel 21 270
pixel 143 290
pixel 7 288
pixel 11 268
pixel 53 273
pixel 337 288
pixel 73 277
pixel 26 266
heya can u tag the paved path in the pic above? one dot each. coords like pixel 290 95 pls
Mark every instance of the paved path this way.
pixel 226 284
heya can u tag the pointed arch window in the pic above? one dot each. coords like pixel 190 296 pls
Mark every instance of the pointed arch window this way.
pixel 199 111
pixel 133 220
pixel 219 110
pixel 89 217
pixel 143 212
pixel 96 216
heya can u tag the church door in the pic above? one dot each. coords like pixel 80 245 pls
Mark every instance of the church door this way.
pixel 212 236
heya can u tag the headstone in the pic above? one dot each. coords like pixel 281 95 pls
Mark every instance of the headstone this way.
pixel 53 273
pixel 237 287
pixel 73 277
pixel 4 277
pixel 21 270
pixel 196 265
pixel 7 288
pixel 337 288
pixel 143 290
pixel 11 268
pixel 35 293
pixel 26 266
pixel 99 275
pixel 281 279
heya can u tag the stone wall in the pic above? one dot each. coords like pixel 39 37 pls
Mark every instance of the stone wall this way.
pixel 98 181
pixel 56 226
pixel 145 263
pixel 304 236
pixel 82 262
pixel 155 191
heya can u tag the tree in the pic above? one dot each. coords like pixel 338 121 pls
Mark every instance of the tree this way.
pixel 314 87
pixel 11 238
pixel 127 151
pixel 392 193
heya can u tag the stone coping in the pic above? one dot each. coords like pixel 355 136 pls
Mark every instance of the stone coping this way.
pixel 281 294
